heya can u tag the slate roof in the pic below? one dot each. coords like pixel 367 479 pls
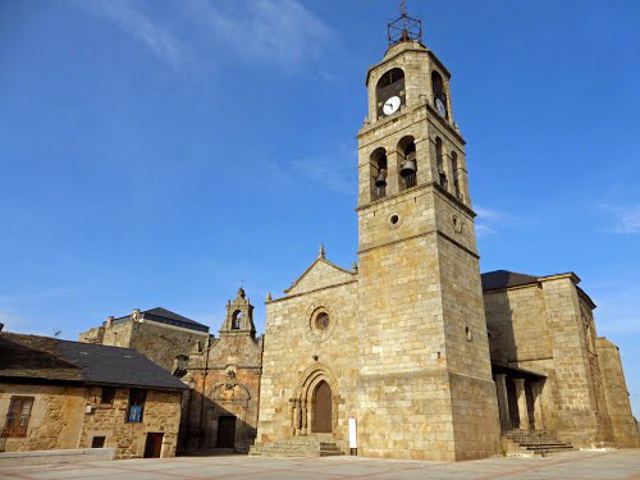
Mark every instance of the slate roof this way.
pixel 504 279
pixel 162 315
pixel 31 357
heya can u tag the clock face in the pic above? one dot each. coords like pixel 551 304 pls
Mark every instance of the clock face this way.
pixel 391 105
pixel 440 107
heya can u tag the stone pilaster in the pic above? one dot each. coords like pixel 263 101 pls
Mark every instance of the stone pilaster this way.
pixel 503 401
pixel 523 412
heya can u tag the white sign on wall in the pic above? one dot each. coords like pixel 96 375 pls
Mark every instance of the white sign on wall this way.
pixel 353 435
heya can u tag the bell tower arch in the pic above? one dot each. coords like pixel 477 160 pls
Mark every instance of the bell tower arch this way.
pixel 419 279
pixel 239 318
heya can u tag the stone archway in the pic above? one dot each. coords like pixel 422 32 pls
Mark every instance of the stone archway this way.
pixel 315 406
pixel 322 409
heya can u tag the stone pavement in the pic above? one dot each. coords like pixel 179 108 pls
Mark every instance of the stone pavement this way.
pixel 610 465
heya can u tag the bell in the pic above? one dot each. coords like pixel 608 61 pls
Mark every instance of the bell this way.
pixel 381 179
pixel 408 167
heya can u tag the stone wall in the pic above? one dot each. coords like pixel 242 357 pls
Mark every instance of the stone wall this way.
pixel 56 416
pixel 225 380
pixel 159 342
pixel 298 355
pixel 625 430
pixel 161 414
pixel 548 327
pixel 221 410
pixel 162 343
pixel 59 419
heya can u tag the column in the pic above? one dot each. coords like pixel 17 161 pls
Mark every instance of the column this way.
pixel 536 389
pixel 393 172
pixel 523 412
pixel 503 402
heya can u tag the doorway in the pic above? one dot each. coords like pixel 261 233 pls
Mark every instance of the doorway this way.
pixel 226 431
pixel 322 412
pixel 153 446
pixel 98 442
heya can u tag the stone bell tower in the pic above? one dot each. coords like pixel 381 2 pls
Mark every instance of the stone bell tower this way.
pixel 426 386
pixel 239 318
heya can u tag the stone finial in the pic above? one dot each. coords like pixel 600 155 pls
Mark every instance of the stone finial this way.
pixel 241 292
pixel 269 297
pixel 354 267
pixel 136 315
pixel 321 252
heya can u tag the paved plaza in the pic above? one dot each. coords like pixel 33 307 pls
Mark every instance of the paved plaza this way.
pixel 620 464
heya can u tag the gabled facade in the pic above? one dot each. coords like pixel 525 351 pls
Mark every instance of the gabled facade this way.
pixel 393 357
pixel 221 409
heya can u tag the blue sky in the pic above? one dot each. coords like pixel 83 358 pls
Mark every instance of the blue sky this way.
pixel 157 153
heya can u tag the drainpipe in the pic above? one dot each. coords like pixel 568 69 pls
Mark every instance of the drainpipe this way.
pixel 204 384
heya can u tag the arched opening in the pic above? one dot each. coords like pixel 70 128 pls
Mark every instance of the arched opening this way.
pixel 390 91
pixel 439 94
pixel 180 363
pixel 456 182
pixel 407 162
pixel 442 175
pixel 322 409
pixel 379 173
pixel 235 320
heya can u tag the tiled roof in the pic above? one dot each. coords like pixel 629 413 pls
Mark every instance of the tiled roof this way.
pixel 31 357
pixel 504 279
pixel 162 315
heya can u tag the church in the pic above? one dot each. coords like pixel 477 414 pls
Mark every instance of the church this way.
pixel 412 353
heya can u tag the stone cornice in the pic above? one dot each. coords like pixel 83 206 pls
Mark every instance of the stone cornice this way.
pixel 425 186
pixel 288 297
pixel 418 235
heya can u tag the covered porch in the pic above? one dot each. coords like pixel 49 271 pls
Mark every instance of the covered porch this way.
pixel 519 395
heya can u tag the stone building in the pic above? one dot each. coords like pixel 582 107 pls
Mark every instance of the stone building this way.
pixel 395 351
pixel 221 409
pixel 552 372
pixel 162 336
pixel 57 394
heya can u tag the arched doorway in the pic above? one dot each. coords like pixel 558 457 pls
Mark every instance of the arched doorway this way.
pixel 322 413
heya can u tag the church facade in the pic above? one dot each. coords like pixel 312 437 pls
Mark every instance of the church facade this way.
pixel 403 356
pixel 411 352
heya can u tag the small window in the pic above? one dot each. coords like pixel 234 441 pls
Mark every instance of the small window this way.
pixel 18 415
pixel 98 442
pixel 180 364
pixel 137 398
pixel 322 321
pixel 108 394
pixel 456 179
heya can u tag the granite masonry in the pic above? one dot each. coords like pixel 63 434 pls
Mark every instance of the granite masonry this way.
pixel 411 353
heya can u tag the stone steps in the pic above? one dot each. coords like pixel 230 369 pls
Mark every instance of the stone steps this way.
pixel 296 448
pixel 536 442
